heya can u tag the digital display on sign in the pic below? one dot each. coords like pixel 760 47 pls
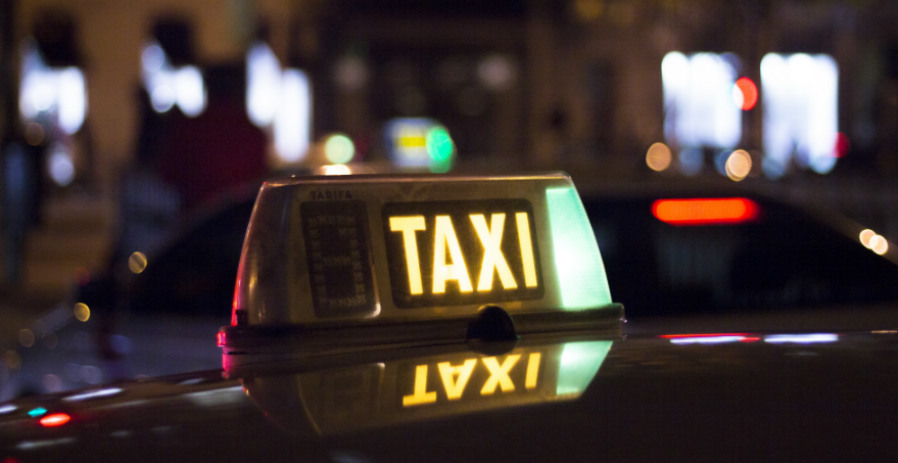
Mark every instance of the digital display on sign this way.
pixel 339 258
pixel 462 252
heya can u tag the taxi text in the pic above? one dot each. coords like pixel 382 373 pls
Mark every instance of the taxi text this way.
pixel 449 262
pixel 455 378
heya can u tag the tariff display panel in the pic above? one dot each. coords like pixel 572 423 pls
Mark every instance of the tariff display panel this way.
pixel 339 259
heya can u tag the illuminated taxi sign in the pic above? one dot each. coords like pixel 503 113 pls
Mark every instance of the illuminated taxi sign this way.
pixel 369 247
pixel 461 251
pixel 419 388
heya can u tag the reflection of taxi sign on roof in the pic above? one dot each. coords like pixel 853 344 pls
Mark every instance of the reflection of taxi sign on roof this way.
pixel 451 382
pixel 415 253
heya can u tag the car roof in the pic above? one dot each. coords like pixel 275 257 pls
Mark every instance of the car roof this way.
pixel 733 396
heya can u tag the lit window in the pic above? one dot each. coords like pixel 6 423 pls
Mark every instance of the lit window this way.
pixel 170 86
pixel 698 100
pixel 279 100
pixel 263 79
pixel 60 93
pixel 292 125
pixel 800 94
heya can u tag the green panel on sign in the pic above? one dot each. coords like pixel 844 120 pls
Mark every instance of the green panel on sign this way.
pixel 580 361
pixel 578 263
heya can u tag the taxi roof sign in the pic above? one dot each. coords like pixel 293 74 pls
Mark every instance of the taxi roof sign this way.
pixel 370 249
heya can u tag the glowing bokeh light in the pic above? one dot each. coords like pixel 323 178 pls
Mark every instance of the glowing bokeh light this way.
pixel 440 148
pixel 874 241
pixel 334 169
pixel 81 312
pixel 745 93
pixel 339 149
pixel 738 165
pixel 60 165
pixel 420 143
pixel 55 419
pixel 137 262
pixel 658 157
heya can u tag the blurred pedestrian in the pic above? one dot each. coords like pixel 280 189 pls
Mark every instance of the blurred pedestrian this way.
pixel 220 149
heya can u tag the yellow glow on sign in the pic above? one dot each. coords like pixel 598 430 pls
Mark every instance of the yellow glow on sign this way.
pixel 445 237
pixel 455 378
pixel 526 244
pixel 449 263
pixel 408 226
pixel 532 370
pixel 420 395
pixel 491 238
pixel 408 141
pixel 499 374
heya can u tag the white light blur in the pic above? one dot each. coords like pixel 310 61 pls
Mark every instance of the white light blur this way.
pixel 60 165
pixel 812 338
pixel 800 98
pixel 725 339
pixel 93 394
pixel 153 58
pixel 263 80
pixel 738 165
pixel 61 93
pixel 72 99
pixel 874 242
pixel 190 91
pixel 292 125
pixel 37 92
pixel 698 100
pixel 169 86
pixel 334 169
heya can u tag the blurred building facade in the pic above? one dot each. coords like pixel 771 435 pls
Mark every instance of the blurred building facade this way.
pixel 537 84
pixel 518 83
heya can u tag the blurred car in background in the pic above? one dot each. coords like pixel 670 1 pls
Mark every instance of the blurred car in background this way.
pixel 720 249
pixel 693 248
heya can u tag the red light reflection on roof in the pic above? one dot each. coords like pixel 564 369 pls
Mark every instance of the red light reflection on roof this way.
pixel 55 419
pixel 705 211
pixel 710 338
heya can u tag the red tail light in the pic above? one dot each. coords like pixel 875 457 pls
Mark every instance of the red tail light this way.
pixel 705 211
